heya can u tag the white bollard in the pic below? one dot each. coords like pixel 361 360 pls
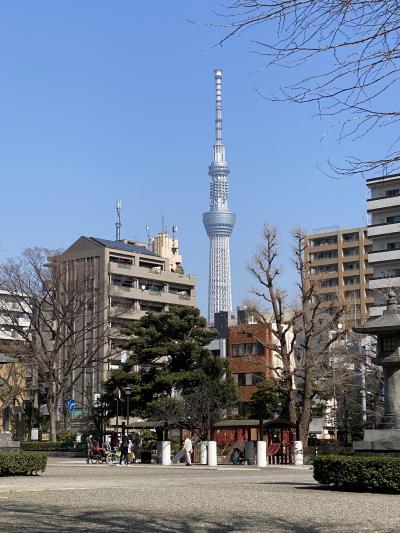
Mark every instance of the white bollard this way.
pixel 212 453
pixel 203 452
pixel 166 452
pixel 261 453
pixel 298 453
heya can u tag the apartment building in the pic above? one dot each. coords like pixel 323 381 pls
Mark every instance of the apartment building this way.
pixel 250 359
pixel 383 207
pixel 340 259
pixel 136 280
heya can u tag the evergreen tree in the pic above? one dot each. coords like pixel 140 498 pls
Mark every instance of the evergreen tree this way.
pixel 168 348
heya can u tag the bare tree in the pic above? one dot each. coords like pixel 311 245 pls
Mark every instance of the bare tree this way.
pixel 67 329
pixel 305 335
pixel 347 54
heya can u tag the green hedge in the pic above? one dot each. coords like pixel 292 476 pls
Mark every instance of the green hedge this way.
pixel 36 446
pixel 22 464
pixel 358 472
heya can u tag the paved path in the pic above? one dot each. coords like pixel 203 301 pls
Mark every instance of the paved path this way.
pixel 72 496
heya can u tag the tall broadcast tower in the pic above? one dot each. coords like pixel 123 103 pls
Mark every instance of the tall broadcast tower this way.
pixel 219 221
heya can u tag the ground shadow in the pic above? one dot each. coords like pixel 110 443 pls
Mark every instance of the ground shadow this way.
pixel 32 518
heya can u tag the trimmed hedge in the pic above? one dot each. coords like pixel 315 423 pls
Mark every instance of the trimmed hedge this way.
pixel 36 446
pixel 22 464
pixel 359 472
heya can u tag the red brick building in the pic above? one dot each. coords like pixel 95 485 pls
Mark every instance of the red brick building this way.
pixel 250 359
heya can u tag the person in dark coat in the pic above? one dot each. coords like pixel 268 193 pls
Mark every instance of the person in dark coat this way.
pixel 124 449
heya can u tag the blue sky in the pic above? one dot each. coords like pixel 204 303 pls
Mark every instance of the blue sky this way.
pixel 104 100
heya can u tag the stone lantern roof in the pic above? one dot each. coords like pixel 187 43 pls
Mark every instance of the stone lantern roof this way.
pixel 389 322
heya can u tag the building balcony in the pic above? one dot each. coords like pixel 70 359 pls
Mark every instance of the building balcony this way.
pixel 348 258
pixel 375 230
pixel 324 261
pixel 380 256
pixel 322 248
pixel 384 283
pixel 374 204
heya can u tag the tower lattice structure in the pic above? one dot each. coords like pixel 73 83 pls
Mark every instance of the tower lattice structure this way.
pixel 219 221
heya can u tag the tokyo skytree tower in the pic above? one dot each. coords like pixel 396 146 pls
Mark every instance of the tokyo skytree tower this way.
pixel 219 221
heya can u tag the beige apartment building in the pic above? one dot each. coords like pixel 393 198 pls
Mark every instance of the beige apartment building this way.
pixel 340 258
pixel 136 280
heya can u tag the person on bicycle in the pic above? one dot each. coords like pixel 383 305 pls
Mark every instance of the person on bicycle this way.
pixel 97 449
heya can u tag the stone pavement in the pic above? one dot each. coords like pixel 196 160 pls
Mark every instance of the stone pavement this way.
pixel 72 496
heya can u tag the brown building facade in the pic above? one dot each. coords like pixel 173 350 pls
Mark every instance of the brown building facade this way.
pixel 250 359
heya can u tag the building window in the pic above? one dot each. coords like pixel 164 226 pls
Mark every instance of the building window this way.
pixel 241 379
pixel 387 344
pixel 249 348
pixel 348 237
pixel 393 219
pixel 258 377
pixel 392 192
pixel 351 266
pixel 350 251
pixel 393 245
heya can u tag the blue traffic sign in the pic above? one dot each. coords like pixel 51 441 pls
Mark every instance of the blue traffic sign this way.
pixel 71 405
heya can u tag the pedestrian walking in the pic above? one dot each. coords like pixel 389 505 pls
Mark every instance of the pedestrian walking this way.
pixel 131 454
pixel 188 447
pixel 89 448
pixel 124 449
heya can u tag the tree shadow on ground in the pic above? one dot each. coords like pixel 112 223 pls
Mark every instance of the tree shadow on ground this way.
pixel 22 518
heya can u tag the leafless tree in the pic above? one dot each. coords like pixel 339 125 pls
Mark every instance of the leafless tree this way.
pixel 305 334
pixel 347 55
pixel 60 321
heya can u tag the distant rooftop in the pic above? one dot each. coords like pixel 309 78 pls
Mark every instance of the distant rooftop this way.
pixel 118 245
pixel 388 176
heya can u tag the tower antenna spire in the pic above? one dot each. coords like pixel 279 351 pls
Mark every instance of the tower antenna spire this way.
pixel 219 221
pixel 118 223
pixel 218 105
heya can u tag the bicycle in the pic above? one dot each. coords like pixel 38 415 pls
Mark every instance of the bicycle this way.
pixel 113 457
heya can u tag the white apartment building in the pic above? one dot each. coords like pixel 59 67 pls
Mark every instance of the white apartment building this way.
pixel 383 207
pixel 13 314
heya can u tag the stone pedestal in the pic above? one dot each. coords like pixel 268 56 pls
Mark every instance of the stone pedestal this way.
pixel 7 444
pixel 385 439
pixel 379 441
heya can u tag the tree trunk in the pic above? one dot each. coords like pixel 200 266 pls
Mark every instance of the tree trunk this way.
pixel 52 408
pixel 305 417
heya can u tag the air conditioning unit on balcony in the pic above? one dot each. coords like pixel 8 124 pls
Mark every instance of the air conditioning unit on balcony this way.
pixel 156 269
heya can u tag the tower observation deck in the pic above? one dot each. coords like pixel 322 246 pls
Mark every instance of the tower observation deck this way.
pixel 219 221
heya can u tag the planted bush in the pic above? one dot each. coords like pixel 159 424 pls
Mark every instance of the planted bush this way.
pixel 22 464
pixel 358 472
pixel 36 446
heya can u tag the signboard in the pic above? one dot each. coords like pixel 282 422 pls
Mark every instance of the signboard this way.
pixel 71 405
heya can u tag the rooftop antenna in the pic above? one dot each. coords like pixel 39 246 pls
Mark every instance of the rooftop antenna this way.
pixel 174 247
pixel 118 223
pixel 163 228
pixel 148 233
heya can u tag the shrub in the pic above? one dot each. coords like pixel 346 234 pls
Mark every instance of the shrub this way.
pixel 36 446
pixel 66 435
pixel 358 472
pixel 22 464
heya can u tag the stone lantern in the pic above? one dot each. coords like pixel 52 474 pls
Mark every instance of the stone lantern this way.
pixel 386 328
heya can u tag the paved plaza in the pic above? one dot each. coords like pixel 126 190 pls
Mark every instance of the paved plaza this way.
pixel 72 496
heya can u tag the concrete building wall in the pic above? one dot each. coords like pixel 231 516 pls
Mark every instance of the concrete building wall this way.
pixel 383 207
pixel 135 281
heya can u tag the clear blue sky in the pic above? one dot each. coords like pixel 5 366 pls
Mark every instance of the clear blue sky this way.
pixel 106 100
